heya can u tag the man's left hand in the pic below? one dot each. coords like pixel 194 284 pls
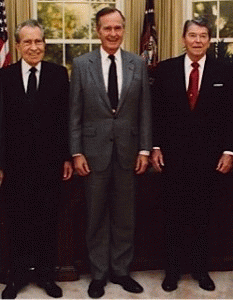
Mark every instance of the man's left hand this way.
pixel 141 164
pixel 67 170
pixel 225 163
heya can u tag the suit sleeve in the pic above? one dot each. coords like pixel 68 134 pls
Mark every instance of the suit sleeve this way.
pixel 2 126
pixel 62 114
pixel 157 108
pixel 75 109
pixel 145 113
pixel 228 108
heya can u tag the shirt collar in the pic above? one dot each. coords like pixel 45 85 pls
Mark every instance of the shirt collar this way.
pixel 26 67
pixel 104 54
pixel 188 61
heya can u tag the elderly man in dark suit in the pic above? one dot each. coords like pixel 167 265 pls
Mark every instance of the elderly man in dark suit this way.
pixel 193 145
pixel 36 158
pixel 110 133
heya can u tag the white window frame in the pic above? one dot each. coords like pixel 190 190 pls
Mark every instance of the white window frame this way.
pixel 187 5
pixel 119 5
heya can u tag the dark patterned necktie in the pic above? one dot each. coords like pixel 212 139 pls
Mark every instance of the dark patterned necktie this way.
pixel 32 84
pixel 112 83
pixel 193 85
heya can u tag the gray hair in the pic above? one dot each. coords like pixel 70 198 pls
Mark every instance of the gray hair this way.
pixel 106 11
pixel 202 22
pixel 29 23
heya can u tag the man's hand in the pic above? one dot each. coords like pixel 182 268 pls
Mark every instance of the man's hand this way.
pixel 1 176
pixel 67 170
pixel 225 163
pixel 157 160
pixel 141 164
pixel 81 165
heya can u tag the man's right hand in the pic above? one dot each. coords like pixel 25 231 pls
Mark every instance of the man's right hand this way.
pixel 81 165
pixel 157 160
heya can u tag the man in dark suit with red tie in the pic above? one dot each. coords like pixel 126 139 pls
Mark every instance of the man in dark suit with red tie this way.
pixel 193 147
pixel 36 158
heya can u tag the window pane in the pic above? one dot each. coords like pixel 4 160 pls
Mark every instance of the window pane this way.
pixel 50 15
pixel 74 50
pixel 207 10
pixel 65 0
pixel 95 46
pixel 226 19
pixel 94 9
pixel 54 53
pixel 77 18
pixel 103 0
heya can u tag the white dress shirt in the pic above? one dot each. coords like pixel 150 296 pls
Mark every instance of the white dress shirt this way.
pixel 105 62
pixel 25 73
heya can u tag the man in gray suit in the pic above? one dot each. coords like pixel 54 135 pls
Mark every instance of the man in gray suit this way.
pixel 110 142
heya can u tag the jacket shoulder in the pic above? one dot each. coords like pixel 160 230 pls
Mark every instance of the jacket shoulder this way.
pixel 53 66
pixel 87 56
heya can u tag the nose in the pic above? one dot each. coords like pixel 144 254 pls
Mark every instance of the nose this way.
pixel 198 39
pixel 33 45
pixel 113 32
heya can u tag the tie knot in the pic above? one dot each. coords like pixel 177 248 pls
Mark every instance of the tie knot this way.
pixel 33 70
pixel 195 65
pixel 112 57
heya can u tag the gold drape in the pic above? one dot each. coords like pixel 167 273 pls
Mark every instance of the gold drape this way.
pixel 134 13
pixel 168 18
pixel 17 11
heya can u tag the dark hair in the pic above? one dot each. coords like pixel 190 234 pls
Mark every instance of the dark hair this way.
pixel 107 11
pixel 202 22
pixel 29 23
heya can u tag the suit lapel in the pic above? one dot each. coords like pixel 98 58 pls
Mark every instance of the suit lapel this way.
pixel 19 79
pixel 127 73
pixel 95 69
pixel 205 83
pixel 181 84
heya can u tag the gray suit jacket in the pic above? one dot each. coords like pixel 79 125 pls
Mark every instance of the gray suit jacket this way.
pixel 94 128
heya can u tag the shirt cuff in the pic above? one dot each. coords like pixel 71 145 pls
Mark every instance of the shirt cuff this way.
pixel 77 154
pixel 228 152
pixel 144 152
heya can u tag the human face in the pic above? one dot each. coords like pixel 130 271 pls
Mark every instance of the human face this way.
pixel 196 42
pixel 111 32
pixel 31 45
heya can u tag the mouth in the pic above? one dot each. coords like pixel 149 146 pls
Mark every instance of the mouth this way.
pixel 197 48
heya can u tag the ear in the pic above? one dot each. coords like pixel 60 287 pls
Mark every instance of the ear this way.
pixel 97 30
pixel 17 46
pixel 183 41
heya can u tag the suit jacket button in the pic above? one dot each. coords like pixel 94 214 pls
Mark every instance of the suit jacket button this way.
pixel 111 140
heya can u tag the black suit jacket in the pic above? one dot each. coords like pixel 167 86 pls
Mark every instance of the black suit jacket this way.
pixel 36 133
pixel 202 134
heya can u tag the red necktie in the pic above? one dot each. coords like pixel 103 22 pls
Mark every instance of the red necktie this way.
pixel 193 85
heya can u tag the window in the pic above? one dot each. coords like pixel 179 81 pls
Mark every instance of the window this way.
pixel 70 27
pixel 220 15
